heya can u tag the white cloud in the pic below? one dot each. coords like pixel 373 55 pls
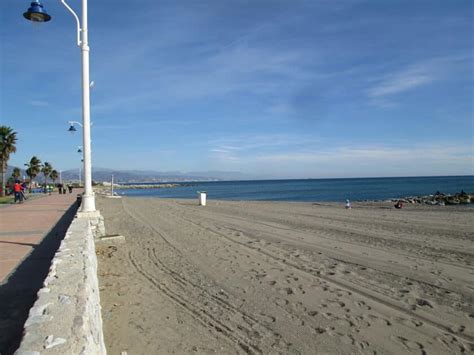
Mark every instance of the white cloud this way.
pixel 403 80
pixel 290 159
pixel 415 76
pixel 38 103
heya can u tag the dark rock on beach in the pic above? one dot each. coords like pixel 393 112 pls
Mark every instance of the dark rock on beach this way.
pixel 440 199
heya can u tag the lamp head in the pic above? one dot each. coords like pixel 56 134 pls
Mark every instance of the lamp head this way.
pixel 79 150
pixel 36 13
pixel 72 129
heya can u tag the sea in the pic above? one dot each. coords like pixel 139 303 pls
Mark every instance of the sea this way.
pixel 354 189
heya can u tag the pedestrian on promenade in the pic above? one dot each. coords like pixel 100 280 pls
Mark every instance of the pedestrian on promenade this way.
pixel 17 191
pixel 22 192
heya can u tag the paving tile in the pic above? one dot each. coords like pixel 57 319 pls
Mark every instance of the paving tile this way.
pixel 23 226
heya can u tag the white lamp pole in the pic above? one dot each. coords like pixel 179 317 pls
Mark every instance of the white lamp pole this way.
pixel 36 13
pixel 88 199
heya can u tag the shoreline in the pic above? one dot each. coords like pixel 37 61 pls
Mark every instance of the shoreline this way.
pixel 239 276
pixel 431 200
pixel 422 192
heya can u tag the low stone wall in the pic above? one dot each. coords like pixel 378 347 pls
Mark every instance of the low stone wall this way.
pixel 66 317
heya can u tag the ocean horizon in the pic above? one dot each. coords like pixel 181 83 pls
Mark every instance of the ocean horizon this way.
pixel 324 190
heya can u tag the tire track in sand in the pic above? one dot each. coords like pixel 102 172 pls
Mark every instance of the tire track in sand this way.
pixel 237 333
pixel 368 294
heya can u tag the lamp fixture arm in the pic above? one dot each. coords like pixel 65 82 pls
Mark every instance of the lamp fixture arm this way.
pixel 74 122
pixel 78 22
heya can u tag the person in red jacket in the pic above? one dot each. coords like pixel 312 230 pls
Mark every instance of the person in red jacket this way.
pixel 17 191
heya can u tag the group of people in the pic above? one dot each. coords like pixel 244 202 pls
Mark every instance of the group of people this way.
pixel 19 191
pixel 62 189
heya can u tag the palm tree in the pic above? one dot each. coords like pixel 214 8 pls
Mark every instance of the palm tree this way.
pixel 7 146
pixel 16 173
pixel 33 169
pixel 54 175
pixel 46 169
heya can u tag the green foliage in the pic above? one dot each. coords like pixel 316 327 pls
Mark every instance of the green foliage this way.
pixel 33 169
pixel 5 200
pixel 54 175
pixel 16 173
pixel 7 146
pixel 46 169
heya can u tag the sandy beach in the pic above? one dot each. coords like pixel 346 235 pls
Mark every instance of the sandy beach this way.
pixel 290 278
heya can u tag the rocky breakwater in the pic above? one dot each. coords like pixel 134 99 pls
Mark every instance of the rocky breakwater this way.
pixel 441 199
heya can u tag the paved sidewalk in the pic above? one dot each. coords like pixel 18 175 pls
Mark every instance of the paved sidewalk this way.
pixel 23 226
pixel 30 234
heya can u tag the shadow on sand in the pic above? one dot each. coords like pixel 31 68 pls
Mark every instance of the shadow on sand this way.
pixel 18 293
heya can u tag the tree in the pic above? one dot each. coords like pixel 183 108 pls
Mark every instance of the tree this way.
pixel 7 146
pixel 46 169
pixel 16 173
pixel 54 175
pixel 33 169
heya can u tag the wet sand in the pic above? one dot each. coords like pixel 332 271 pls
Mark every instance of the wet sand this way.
pixel 291 278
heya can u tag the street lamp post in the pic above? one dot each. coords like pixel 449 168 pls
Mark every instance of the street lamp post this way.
pixel 36 13
pixel 79 150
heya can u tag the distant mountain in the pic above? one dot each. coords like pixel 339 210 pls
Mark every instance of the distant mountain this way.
pixel 105 174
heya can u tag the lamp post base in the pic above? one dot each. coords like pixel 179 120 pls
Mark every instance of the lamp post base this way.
pixel 89 212
pixel 88 203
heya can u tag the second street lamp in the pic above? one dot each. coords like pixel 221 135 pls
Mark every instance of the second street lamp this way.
pixel 36 13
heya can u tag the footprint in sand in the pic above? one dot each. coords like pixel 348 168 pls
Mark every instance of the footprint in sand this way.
pixel 409 345
pixel 410 321
pixel 329 316
pixel 459 328
pixel 345 323
pixel 299 307
pixel 403 292
pixel 381 320
pixel 281 302
pixel 286 291
pixel 301 288
pixel 363 345
pixel 363 305
pixel 267 318
pixel 360 321
pixel 337 303
pixel 450 341
pixel 347 339
pixel 319 330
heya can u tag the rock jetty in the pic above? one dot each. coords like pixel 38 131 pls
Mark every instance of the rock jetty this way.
pixel 440 199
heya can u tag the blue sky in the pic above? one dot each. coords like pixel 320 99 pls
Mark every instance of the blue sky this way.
pixel 270 88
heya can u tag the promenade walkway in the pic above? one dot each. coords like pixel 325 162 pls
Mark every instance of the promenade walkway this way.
pixel 30 234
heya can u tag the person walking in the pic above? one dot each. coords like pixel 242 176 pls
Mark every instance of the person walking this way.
pixel 17 191
pixel 23 189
